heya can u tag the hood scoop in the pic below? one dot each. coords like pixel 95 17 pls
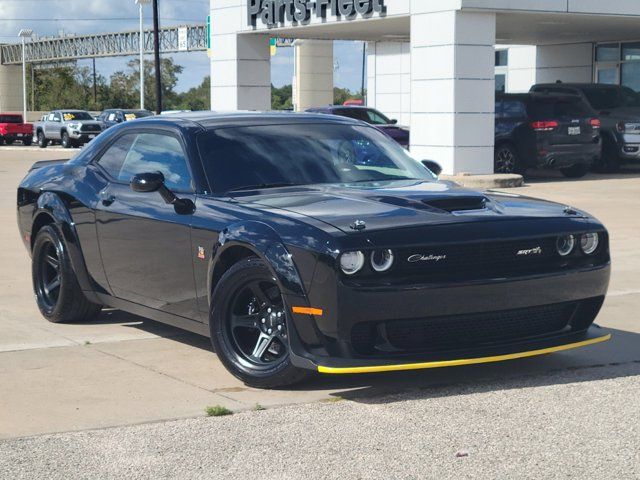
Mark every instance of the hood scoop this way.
pixel 458 204
pixel 450 204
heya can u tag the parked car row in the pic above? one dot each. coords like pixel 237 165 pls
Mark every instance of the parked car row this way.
pixel 69 128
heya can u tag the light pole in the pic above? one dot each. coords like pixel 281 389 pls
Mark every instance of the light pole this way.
pixel 141 4
pixel 23 34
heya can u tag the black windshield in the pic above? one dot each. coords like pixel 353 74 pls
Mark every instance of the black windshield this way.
pixel 10 119
pixel 69 116
pixel 303 154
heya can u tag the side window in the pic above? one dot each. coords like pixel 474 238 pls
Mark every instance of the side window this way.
pixel 50 117
pixel 112 117
pixel 513 109
pixel 375 118
pixel 113 159
pixel 56 117
pixel 153 152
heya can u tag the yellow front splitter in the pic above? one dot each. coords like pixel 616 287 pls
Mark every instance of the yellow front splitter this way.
pixel 460 362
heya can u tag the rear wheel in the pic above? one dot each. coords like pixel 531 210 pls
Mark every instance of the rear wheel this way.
pixel 58 294
pixel 27 141
pixel 249 327
pixel 65 141
pixel 506 160
pixel 575 171
pixel 42 141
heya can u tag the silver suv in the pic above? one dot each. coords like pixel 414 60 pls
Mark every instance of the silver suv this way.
pixel 70 128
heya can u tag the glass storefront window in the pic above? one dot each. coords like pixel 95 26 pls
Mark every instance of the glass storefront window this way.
pixel 501 83
pixel 608 76
pixel 630 75
pixel 609 52
pixel 502 58
pixel 631 51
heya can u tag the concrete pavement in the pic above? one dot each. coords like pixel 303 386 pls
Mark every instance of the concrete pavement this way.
pixel 124 370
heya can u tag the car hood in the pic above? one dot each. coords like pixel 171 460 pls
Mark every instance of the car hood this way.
pixel 398 204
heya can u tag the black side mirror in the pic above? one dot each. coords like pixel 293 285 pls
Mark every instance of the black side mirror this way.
pixel 434 167
pixel 154 182
pixel 147 182
pixel 393 121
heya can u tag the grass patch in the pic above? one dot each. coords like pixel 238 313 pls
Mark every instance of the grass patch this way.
pixel 257 407
pixel 332 399
pixel 217 411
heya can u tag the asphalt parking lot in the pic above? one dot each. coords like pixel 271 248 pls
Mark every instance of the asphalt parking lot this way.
pixel 124 396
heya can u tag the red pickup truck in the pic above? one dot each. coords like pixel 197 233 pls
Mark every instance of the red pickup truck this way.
pixel 13 128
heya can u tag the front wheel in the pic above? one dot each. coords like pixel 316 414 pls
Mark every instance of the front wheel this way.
pixel 249 327
pixel 575 171
pixel 42 140
pixel 65 141
pixel 58 294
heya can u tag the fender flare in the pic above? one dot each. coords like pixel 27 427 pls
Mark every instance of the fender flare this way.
pixel 51 204
pixel 266 244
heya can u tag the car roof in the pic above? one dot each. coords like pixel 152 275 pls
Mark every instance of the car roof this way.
pixel 577 85
pixel 533 96
pixel 208 119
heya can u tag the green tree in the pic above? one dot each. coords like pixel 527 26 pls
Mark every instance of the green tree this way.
pixel 282 98
pixel 197 98
pixel 341 95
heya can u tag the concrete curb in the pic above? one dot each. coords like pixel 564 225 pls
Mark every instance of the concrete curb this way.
pixel 485 182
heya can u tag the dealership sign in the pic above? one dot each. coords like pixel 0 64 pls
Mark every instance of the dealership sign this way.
pixel 279 12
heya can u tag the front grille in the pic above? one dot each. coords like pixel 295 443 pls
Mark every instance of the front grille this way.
pixel 460 331
pixel 90 128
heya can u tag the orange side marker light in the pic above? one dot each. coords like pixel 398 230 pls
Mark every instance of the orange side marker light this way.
pixel 307 311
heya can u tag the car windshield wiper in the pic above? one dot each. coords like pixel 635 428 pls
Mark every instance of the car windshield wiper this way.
pixel 259 186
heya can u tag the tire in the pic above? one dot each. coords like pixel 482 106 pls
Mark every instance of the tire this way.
pixel 610 160
pixel 55 285
pixel 236 344
pixel 575 171
pixel 42 140
pixel 65 141
pixel 9 141
pixel 506 160
pixel 27 141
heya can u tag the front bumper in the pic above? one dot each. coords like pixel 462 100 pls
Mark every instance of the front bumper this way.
pixel 83 136
pixel 592 336
pixel 411 326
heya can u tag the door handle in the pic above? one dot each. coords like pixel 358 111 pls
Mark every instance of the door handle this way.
pixel 107 200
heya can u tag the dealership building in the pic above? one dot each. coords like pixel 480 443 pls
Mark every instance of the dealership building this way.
pixel 434 65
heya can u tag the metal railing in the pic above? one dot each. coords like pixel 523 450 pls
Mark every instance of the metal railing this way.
pixel 68 48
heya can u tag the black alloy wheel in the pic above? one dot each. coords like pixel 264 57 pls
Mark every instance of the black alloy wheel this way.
pixel 506 160
pixel 42 141
pixel 65 141
pixel 58 294
pixel 249 327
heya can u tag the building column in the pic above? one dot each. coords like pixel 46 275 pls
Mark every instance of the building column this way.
pixel 314 74
pixel 389 79
pixel 11 88
pixel 453 88
pixel 240 63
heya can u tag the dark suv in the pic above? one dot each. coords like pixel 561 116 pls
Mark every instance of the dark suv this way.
pixel 619 110
pixel 546 131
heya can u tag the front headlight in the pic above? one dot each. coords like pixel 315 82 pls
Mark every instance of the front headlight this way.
pixel 381 260
pixel 589 243
pixel 565 245
pixel 352 262
pixel 75 125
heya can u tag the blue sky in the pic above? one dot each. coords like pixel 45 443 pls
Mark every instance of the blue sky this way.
pixel 49 17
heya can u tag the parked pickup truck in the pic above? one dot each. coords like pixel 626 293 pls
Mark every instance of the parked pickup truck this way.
pixel 12 128
pixel 70 128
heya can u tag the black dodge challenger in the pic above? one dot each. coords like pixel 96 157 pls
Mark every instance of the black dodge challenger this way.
pixel 302 242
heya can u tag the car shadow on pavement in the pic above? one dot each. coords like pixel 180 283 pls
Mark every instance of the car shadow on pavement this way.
pixel 627 172
pixel 617 358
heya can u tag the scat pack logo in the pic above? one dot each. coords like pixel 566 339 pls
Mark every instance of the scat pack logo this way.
pixel 277 12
